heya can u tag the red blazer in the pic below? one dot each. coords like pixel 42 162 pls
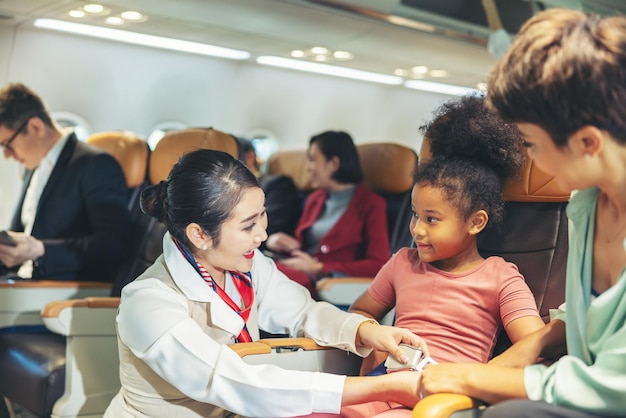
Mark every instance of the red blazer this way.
pixel 358 244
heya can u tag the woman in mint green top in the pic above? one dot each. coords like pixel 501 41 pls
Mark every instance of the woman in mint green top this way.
pixel 563 82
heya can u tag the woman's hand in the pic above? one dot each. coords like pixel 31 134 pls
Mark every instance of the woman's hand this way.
pixel 302 261
pixel 282 243
pixel 387 338
pixel 27 248
pixel 481 381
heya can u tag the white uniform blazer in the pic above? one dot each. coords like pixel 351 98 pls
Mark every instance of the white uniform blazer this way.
pixel 173 331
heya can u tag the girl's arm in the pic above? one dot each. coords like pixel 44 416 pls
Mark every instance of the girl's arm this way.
pixel 366 305
pixel 547 342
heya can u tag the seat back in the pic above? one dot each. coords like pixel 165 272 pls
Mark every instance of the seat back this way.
pixel 533 235
pixel 387 170
pixel 132 153
pixel 148 232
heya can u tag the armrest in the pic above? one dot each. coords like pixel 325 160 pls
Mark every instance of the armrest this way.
pixel 298 354
pixel 21 301
pixel 443 405
pixel 89 316
pixel 342 291
pixel 91 360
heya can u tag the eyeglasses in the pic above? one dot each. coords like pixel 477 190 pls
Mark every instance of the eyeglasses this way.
pixel 7 145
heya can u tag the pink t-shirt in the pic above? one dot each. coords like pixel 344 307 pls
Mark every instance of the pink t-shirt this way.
pixel 459 315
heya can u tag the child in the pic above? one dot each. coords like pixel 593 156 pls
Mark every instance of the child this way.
pixel 444 290
pixel 563 82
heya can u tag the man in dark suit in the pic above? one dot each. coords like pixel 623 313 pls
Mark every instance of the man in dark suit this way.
pixel 72 220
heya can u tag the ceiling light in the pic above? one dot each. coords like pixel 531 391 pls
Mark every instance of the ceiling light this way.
pixel 419 69
pixel 142 39
pixel 401 72
pixel 96 9
pixel 328 70
pixel 439 73
pixel 114 20
pixel 93 8
pixel 320 50
pixel 132 15
pixel 298 53
pixel 342 55
pixel 434 87
pixel 76 13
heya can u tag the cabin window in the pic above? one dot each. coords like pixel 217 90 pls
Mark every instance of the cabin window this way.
pixel 81 127
pixel 161 129
pixel 265 143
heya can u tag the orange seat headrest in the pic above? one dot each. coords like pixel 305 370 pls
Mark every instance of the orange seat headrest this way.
pixel 387 167
pixel 176 143
pixel 530 185
pixel 130 151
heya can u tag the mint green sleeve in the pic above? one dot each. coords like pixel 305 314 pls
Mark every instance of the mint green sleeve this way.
pixel 596 388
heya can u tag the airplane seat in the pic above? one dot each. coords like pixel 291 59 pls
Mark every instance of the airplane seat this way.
pixel 72 370
pixel 533 235
pixel 132 152
pixel 292 163
pixel 387 170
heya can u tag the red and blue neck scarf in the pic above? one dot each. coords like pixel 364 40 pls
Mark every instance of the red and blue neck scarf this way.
pixel 243 284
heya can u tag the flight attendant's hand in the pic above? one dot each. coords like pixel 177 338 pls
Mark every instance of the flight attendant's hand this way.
pixel 386 338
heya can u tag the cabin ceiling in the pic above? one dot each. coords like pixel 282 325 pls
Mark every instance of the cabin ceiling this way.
pixel 383 35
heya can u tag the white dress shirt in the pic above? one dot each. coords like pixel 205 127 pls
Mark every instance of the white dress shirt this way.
pixel 38 182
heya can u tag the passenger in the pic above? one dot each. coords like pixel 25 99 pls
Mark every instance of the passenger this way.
pixel 444 290
pixel 282 200
pixel 72 220
pixel 212 287
pixel 564 84
pixel 343 227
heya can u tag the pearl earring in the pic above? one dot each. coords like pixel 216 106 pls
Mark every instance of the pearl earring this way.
pixel 204 247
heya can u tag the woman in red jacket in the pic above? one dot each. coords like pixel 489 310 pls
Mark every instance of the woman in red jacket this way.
pixel 343 227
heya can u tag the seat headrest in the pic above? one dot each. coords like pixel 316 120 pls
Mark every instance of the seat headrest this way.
pixel 176 143
pixel 291 163
pixel 129 149
pixel 530 185
pixel 387 167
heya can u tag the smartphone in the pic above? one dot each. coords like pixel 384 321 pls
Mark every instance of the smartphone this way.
pixel 276 256
pixel 6 239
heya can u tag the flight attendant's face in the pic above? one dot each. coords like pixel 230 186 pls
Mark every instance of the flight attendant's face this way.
pixel 319 168
pixel 240 235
